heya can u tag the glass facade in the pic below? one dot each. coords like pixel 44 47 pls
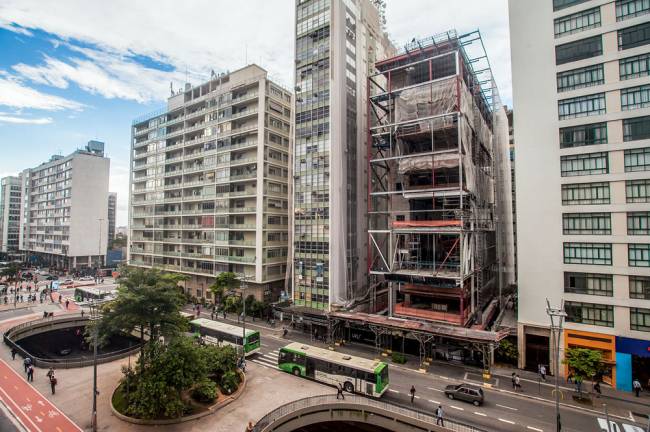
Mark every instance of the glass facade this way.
pixel 312 155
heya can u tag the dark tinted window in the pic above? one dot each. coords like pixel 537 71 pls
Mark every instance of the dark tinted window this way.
pixel 634 36
pixel 583 135
pixel 636 128
pixel 562 4
pixel 579 50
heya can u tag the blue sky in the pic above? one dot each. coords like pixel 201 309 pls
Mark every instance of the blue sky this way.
pixel 72 71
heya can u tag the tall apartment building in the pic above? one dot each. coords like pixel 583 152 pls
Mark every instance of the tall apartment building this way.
pixel 112 211
pixel 10 199
pixel 581 100
pixel 64 208
pixel 210 183
pixel 337 44
pixel 512 155
pixel 440 229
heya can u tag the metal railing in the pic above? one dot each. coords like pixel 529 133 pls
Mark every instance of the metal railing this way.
pixel 361 402
pixel 66 363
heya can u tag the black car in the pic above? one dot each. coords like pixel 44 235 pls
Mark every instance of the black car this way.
pixel 51 278
pixel 465 392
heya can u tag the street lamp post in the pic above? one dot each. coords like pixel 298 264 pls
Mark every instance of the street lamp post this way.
pixel 243 285
pixel 99 249
pixel 94 316
pixel 556 331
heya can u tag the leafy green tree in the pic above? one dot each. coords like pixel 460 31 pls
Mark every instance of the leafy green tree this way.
pixel 233 304
pixel 220 360
pixel 225 281
pixel 583 362
pixel 507 351
pixel 205 391
pixel 147 300
pixel 11 273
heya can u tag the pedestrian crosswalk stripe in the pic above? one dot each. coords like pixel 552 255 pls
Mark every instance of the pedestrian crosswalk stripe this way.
pixel 264 362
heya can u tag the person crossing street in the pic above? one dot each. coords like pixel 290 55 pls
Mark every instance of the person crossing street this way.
pixel 412 392
pixel 440 416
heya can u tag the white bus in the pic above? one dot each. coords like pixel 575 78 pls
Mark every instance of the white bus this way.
pixel 218 333
pixel 355 374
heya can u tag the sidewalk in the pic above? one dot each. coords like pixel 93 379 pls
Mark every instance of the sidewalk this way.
pixel 619 402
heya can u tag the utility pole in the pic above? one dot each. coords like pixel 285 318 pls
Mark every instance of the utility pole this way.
pixel 99 249
pixel 94 317
pixel 556 331
pixel 609 428
pixel 243 286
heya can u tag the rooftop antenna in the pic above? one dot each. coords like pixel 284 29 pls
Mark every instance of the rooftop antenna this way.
pixel 171 88
pixel 245 54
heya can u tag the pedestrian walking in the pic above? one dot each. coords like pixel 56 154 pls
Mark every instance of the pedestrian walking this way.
pixel 67 302
pixel 30 373
pixel 26 363
pixel 542 372
pixel 339 392
pixel 514 383
pixel 440 416
pixel 597 389
pixel 518 383
pixel 82 313
pixel 636 385
pixel 50 373
pixel 412 391
pixel 569 377
pixel 13 353
pixel 53 383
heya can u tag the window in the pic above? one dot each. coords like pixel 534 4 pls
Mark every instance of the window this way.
pixel 579 78
pixel 635 97
pixel 585 193
pixel 638 223
pixel 639 287
pixel 640 319
pixel 638 255
pixel 634 67
pixel 637 191
pixel 563 4
pixel 582 106
pixel 577 22
pixel 589 283
pixel 586 223
pixel 579 50
pixel 637 128
pixel 631 8
pixel 588 253
pixel 584 164
pixel 635 36
pixel 583 135
pixel 589 313
pixel 637 159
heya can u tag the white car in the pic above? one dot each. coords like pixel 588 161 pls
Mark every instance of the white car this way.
pixel 67 282
pixel 86 278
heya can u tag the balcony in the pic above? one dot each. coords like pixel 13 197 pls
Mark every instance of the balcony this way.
pixel 406 309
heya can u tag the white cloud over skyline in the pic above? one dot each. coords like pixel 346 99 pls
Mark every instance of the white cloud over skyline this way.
pixel 132 50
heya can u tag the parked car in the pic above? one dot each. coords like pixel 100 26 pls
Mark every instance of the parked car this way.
pixel 51 278
pixel 465 392
pixel 86 278
pixel 68 281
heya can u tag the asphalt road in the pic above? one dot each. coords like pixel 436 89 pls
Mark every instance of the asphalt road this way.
pixel 500 412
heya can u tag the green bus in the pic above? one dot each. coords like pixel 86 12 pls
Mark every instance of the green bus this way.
pixel 218 333
pixel 355 374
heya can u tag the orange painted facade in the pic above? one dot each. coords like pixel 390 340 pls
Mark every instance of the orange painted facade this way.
pixel 596 341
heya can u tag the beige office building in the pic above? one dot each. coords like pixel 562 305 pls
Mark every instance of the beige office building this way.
pixel 582 108
pixel 210 183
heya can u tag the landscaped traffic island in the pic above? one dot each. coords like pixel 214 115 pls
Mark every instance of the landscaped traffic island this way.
pixel 178 381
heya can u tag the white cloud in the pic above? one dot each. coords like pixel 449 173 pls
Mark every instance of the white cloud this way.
pixel 422 18
pixel 15 94
pixel 24 120
pixel 212 34
pixel 14 28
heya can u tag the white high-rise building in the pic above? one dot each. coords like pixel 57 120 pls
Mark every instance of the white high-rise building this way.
pixel 64 210
pixel 10 193
pixel 582 107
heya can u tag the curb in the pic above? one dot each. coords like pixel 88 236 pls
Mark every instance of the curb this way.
pixel 211 410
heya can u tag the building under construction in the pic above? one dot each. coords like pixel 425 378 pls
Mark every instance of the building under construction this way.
pixel 440 226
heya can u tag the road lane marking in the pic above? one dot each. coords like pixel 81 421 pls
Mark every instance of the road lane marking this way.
pixel 443 377
pixel 480 414
pixel 457 408
pixel 393 390
pixel 416 396
pixel 507 407
pixel 534 428
pixel 506 421
pixel 434 402
pixel 435 389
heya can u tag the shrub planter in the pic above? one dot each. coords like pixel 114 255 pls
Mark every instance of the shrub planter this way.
pixel 210 410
